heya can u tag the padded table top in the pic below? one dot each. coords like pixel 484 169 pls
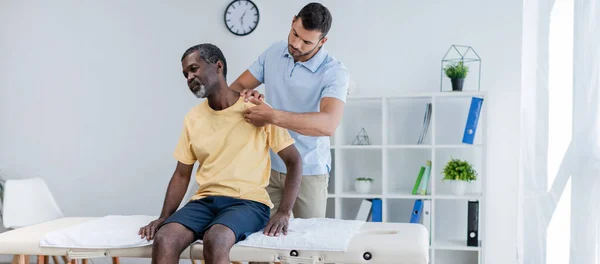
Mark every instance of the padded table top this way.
pixel 385 243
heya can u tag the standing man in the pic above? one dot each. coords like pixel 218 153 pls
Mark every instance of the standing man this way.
pixel 306 88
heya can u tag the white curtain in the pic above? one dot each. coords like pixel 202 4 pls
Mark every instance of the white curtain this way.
pixel 560 146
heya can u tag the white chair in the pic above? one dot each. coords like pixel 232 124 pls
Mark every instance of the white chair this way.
pixel 28 202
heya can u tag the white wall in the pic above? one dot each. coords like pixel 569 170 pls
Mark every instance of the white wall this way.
pixel 92 96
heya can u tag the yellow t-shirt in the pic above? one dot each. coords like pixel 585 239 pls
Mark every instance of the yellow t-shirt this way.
pixel 233 154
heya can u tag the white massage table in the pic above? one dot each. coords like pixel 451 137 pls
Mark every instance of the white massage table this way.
pixel 375 243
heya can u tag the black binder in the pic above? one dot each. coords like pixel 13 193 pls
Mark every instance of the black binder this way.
pixel 473 224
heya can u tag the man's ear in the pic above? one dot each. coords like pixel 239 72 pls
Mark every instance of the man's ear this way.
pixel 219 66
pixel 323 40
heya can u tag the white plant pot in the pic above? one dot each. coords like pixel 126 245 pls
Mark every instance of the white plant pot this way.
pixel 458 187
pixel 362 187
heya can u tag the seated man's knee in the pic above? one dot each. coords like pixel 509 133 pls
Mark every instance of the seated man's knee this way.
pixel 173 238
pixel 218 240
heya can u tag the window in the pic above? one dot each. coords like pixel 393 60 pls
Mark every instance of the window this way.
pixel 560 115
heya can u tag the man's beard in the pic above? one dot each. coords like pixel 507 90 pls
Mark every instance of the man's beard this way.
pixel 198 89
pixel 299 53
pixel 201 92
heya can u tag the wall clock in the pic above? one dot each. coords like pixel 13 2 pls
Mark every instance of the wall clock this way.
pixel 241 17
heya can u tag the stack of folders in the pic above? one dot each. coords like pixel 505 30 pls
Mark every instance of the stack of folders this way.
pixel 421 184
pixel 422 208
pixel 370 210
pixel 426 121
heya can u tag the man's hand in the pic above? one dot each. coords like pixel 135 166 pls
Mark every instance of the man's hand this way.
pixel 259 115
pixel 278 224
pixel 149 230
pixel 248 93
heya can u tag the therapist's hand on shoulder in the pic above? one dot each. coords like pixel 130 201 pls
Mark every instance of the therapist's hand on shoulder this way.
pixel 149 231
pixel 259 115
pixel 277 225
pixel 247 94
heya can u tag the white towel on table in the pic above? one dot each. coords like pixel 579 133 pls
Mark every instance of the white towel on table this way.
pixel 321 234
pixel 113 231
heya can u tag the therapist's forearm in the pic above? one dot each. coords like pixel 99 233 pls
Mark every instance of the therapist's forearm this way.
pixel 308 124
pixel 236 86
pixel 175 192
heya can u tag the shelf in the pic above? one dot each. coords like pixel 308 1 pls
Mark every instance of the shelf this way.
pixel 460 245
pixel 393 158
pixel 408 146
pixel 356 195
pixel 458 146
pixel 466 196
pixel 423 94
pixel 406 195
pixel 452 256
pixel 357 147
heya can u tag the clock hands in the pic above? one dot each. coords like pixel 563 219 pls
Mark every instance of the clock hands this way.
pixel 242 17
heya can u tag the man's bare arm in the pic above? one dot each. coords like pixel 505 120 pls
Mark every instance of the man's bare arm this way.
pixel 245 82
pixel 293 162
pixel 175 191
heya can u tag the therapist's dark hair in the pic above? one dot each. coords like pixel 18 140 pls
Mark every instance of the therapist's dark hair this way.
pixel 315 16
pixel 210 53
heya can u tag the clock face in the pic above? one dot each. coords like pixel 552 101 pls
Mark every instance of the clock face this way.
pixel 241 17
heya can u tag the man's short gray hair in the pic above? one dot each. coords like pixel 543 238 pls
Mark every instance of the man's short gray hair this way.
pixel 210 53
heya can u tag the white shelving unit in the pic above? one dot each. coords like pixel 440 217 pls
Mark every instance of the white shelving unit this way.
pixel 393 160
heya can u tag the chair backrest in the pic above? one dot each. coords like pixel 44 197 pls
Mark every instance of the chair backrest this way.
pixel 28 202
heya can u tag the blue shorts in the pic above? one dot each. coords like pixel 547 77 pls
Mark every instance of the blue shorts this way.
pixel 243 217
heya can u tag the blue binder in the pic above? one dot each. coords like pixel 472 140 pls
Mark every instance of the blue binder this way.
pixel 472 120
pixel 376 211
pixel 415 216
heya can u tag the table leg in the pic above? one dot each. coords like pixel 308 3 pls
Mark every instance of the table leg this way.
pixel 20 259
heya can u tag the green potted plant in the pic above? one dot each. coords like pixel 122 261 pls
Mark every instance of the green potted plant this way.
pixel 459 173
pixel 457 74
pixel 363 185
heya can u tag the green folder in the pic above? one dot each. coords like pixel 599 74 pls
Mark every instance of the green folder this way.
pixel 418 182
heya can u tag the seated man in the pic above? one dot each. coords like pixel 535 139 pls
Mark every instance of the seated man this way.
pixel 234 167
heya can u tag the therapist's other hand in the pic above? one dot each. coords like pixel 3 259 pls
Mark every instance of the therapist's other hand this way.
pixel 277 225
pixel 247 94
pixel 259 115
pixel 149 231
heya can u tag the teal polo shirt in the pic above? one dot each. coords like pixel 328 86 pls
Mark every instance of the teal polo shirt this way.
pixel 299 87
